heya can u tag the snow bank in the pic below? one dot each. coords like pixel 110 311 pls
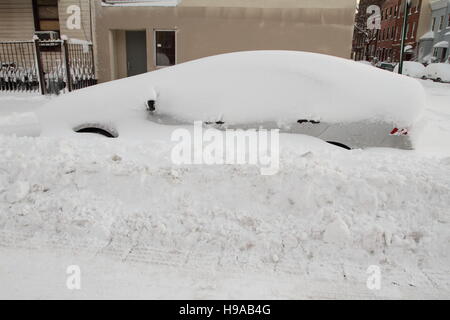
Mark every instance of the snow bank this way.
pixel 248 87
pixel 412 69
pixel 20 124
pixel 435 134
pixel 203 231
pixel 328 215
pixel 21 102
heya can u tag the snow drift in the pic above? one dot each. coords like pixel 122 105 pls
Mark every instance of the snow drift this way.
pixel 20 124
pixel 412 69
pixel 317 226
pixel 328 215
pixel 247 87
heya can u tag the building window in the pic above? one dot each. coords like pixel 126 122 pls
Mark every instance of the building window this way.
pixel 165 50
pixel 433 25
pixel 46 17
pixel 443 54
pixel 441 23
pixel 448 25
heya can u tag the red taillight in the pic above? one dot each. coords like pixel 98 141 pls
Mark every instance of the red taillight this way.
pixel 399 132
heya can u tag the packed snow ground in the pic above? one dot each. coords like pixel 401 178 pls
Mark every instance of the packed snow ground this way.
pixel 139 227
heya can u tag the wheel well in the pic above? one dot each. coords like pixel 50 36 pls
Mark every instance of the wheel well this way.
pixel 338 144
pixel 104 130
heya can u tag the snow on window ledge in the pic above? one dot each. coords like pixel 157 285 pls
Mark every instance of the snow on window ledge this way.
pixel 140 3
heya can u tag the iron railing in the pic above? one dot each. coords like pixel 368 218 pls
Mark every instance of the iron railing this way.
pixel 18 66
pixel 46 66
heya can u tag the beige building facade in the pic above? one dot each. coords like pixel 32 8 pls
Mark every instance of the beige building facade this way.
pixel 137 36
pixel 21 19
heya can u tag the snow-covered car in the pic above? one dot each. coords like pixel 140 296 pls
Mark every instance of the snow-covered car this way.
pixel 386 66
pixel 411 69
pixel 439 72
pixel 367 63
pixel 297 92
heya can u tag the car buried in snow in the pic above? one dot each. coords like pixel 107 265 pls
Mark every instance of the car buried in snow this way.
pixel 386 66
pixel 439 72
pixel 334 99
pixel 411 69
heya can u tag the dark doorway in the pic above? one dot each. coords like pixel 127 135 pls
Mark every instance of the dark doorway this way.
pixel 136 42
pixel 444 54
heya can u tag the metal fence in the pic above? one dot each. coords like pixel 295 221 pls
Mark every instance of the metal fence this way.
pixel 46 66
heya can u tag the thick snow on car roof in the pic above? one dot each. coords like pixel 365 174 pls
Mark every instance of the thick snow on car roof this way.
pixel 438 70
pixel 285 86
pixel 411 69
pixel 251 87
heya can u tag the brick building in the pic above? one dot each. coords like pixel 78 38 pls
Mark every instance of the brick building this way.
pixel 390 35
pixel 364 43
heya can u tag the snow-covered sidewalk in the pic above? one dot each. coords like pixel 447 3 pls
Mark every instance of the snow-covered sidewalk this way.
pixel 139 227
pixel 435 138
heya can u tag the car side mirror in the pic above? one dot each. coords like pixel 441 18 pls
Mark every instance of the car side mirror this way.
pixel 151 105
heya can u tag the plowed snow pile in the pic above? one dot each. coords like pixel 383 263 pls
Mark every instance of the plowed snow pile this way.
pixel 140 227
pixel 328 215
